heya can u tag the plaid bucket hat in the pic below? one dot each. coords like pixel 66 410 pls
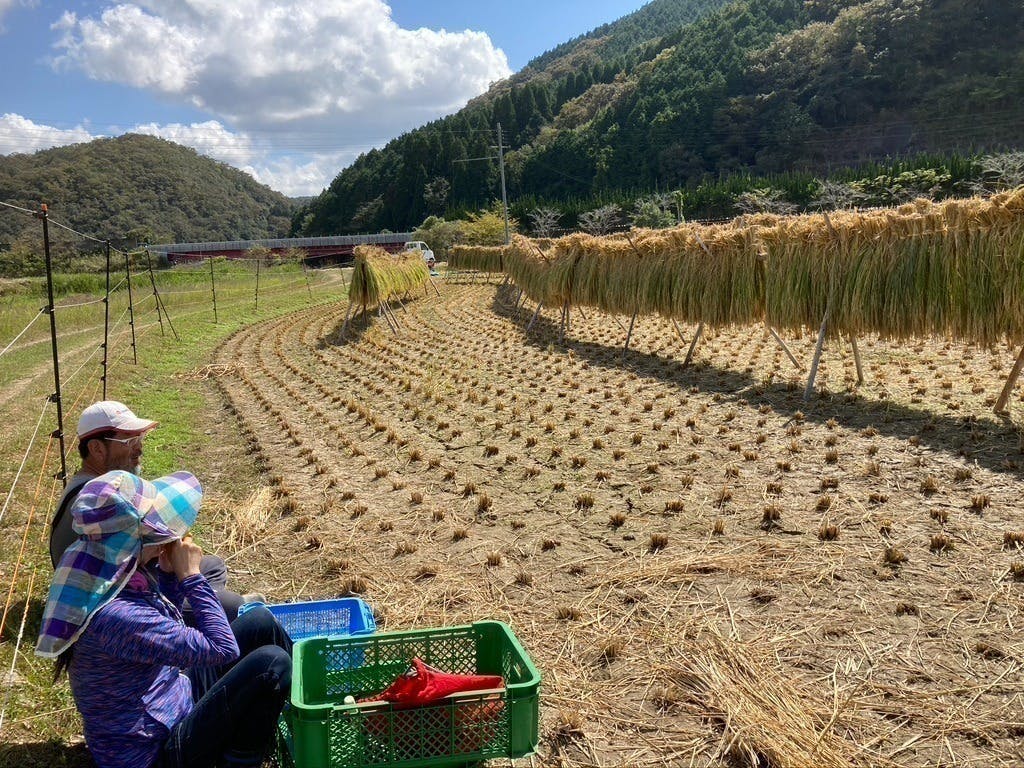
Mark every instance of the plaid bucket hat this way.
pixel 115 516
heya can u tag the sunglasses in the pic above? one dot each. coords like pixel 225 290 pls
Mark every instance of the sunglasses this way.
pixel 129 441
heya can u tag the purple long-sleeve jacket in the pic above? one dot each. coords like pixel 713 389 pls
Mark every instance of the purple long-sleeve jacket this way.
pixel 127 670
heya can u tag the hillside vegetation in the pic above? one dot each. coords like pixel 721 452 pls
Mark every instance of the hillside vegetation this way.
pixel 135 189
pixel 684 92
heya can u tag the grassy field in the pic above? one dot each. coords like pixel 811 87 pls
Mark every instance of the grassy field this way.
pixel 707 569
pixel 168 383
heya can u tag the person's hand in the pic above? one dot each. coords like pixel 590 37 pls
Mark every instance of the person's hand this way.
pixel 183 557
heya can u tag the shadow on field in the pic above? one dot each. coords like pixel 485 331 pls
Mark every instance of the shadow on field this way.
pixel 358 324
pixel 12 625
pixel 45 754
pixel 992 443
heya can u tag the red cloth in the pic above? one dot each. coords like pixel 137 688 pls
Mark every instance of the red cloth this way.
pixel 474 724
pixel 424 684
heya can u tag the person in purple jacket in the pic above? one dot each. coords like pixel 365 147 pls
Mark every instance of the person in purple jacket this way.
pixel 153 692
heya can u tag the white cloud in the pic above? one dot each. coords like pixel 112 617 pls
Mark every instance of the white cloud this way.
pixel 7 5
pixel 262 64
pixel 210 138
pixel 20 135
pixel 300 174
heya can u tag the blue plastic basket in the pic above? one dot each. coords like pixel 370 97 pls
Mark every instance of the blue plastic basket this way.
pixel 322 618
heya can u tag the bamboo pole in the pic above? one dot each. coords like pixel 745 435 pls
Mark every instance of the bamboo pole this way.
pixel 817 357
pixel 679 333
pixel 533 319
pixel 693 345
pixel 629 335
pixel 1011 380
pixel 856 360
pixel 347 313
pixel 781 343
pixel 824 320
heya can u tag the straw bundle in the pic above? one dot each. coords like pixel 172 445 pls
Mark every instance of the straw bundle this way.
pixel 954 269
pixel 378 275
pixel 476 258
pixel 529 267
pixel 767 718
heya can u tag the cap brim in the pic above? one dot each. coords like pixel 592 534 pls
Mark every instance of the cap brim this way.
pixel 174 503
pixel 134 426
pixel 137 426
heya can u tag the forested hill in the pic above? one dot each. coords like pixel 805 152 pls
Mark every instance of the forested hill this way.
pixel 688 90
pixel 138 189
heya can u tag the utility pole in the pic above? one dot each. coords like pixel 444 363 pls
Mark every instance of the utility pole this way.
pixel 504 194
pixel 501 165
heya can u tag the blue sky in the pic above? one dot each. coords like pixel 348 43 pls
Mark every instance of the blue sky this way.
pixel 288 90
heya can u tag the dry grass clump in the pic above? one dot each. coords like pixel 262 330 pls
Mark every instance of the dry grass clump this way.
pixel 248 521
pixel 767 717
pixel 828 532
pixel 940 543
pixel 770 517
pixel 617 519
pixel 893 556
pixel 658 542
pixel 980 502
pixel 1013 539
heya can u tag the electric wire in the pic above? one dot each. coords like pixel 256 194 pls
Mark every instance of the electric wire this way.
pixel 17 208
pixel 31 323
pixel 17 476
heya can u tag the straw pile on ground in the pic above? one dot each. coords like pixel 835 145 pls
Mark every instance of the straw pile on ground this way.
pixel 378 276
pixel 765 716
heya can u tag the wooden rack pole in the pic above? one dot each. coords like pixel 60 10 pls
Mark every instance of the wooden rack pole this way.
pixel 629 335
pixel 693 345
pixel 533 319
pixel 817 357
pixel 856 360
pixel 1011 380
pixel 782 344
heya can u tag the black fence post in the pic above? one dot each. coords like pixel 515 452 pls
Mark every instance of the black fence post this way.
pixel 131 307
pixel 55 397
pixel 159 302
pixel 156 296
pixel 106 324
pixel 258 284
pixel 213 290
pixel 305 273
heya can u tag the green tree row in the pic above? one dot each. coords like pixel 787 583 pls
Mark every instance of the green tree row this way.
pixel 686 92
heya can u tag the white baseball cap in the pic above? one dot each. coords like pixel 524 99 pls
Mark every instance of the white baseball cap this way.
pixel 110 414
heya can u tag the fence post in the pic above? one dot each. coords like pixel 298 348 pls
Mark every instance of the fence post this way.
pixel 258 260
pixel 131 307
pixel 213 289
pixel 156 296
pixel 55 397
pixel 106 322
pixel 305 274
pixel 160 302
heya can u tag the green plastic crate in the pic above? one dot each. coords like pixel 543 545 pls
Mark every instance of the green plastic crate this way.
pixel 319 731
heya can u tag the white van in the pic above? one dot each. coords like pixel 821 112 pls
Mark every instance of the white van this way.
pixel 428 255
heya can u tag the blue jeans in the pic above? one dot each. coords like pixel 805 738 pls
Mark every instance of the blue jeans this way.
pixel 237 705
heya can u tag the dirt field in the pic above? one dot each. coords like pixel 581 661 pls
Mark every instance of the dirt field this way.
pixel 706 569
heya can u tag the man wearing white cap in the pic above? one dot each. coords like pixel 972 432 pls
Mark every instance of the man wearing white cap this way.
pixel 110 438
